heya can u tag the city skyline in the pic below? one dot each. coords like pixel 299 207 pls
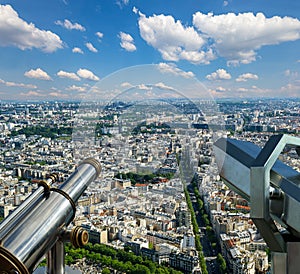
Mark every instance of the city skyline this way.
pixel 59 50
pixel 160 190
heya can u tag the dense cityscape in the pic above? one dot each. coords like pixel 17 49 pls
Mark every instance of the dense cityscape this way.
pixel 159 196
pixel 149 137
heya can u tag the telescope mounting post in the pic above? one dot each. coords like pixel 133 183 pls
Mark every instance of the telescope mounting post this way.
pixel 56 255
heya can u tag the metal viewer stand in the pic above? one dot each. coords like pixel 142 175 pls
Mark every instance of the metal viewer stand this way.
pixel 272 188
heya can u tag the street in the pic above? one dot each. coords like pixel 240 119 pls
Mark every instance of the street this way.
pixel 210 254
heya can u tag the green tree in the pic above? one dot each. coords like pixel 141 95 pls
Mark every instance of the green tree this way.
pixel 69 260
pixel 105 271
pixel 159 271
pixel 140 269
pixel 200 203
pixel 128 266
pixel 117 265
pixel 196 231
pixel 120 260
pixel 151 265
pixel 222 263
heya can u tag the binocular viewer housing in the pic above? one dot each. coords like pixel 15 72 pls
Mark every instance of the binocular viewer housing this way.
pixel 273 190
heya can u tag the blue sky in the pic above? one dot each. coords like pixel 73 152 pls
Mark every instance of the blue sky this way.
pixel 58 50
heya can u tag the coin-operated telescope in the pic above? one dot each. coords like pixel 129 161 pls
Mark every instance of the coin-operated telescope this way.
pixel 273 190
pixel 38 227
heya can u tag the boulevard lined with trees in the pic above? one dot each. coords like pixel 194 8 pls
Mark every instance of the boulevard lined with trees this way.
pixel 209 230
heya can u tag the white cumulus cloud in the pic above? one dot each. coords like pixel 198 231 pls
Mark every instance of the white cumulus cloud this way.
pixel 220 89
pixel 14 31
pixel 144 87
pixel 219 74
pixel 91 47
pixel 161 85
pixel 37 74
pixel 77 50
pixel 87 74
pixel 70 75
pixel 242 89
pixel 99 34
pixel 173 69
pixel 58 95
pixel 14 84
pixel 122 3
pixel 32 93
pixel 127 41
pixel 238 37
pixel 126 85
pixel 291 74
pixel 135 10
pixel 174 40
pixel 67 24
pixel 76 88
pixel 246 76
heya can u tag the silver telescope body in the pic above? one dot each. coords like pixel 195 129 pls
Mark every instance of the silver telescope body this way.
pixel 34 228
pixel 17 215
